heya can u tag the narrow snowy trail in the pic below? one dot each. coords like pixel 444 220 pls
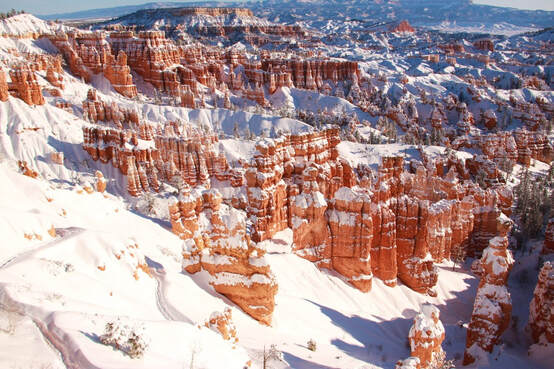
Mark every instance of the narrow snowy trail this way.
pixel 166 309
pixel 71 358
pixel 58 345
pixel 69 233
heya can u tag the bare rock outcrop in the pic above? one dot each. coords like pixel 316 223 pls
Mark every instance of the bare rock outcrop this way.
pixel 493 306
pixel 4 94
pixel 216 241
pixel 119 74
pixel 426 336
pixel 24 85
pixel 541 310
pixel 222 323
pixel 403 26
pixel 484 44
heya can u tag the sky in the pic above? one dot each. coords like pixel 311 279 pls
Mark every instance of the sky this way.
pixel 522 4
pixel 66 6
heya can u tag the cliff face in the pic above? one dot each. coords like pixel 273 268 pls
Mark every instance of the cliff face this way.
pixel 392 223
pixel 541 310
pixel 89 53
pixel 4 94
pixel 25 86
pixel 519 146
pixel 216 241
pixel 119 74
pixel 395 226
pixel 493 305
pixel 403 26
pixel 177 70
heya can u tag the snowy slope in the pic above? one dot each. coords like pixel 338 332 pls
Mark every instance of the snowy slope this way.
pixel 25 24
pixel 58 292
pixel 149 18
pixel 70 298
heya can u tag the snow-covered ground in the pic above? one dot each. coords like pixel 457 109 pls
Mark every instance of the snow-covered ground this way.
pixel 58 290
pixel 62 290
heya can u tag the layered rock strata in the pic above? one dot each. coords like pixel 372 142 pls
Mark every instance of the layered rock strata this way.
pixel 89 53
pixel 541 310
pixel 493 306
pixel 216 241
pixel 4 94
pixel 24 85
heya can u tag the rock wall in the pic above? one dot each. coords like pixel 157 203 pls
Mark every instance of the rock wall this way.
pixel 309 74
pixel 216 241
pixel 520 146
pixel 541 310
pixel 119 74
pixel 392 223
pixel 493 305
pixel 403 26
pixel 24 85
pixel 89 53
pixel 4 94
pixel 394 226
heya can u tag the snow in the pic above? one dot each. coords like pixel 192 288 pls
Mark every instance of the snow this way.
pixel 24 25
pixel 59 292
pixel 310 303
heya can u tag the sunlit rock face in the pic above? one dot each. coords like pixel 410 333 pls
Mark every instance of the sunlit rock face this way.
pixel 493 305
pixel 24 85
pixel 541 310
pixel 216 241
pixel 426 336
pixel 4 94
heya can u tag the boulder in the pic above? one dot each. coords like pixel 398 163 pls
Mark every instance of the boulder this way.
pixel 426 336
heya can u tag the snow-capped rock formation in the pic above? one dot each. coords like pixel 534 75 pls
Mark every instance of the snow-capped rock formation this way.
pixel 222 322
pixel 119 74
pixel 541 310
pixel 24 85
pixel 426 337
pixel 100 181
pixel 493 304
pixel 235 23
pixel 3 87
pixel 216 241
pixel 89 53
pixel 379 152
